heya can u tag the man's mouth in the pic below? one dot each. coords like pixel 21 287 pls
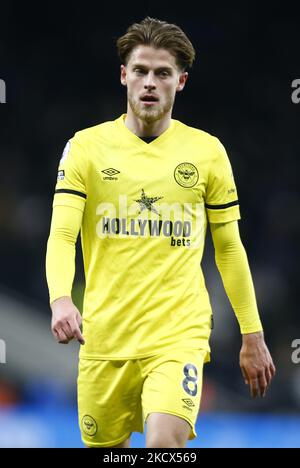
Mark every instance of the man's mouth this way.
pixel 149 99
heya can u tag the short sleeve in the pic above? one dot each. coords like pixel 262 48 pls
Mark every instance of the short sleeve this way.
pixel 70 189
pixel 221 201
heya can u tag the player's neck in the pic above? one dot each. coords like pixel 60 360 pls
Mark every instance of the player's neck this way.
pixel 143 129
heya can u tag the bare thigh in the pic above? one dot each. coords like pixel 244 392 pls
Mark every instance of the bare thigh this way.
pixel 124 444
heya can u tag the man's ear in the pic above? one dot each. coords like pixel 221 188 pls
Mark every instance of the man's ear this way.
pixel 182 80
pixel 123 75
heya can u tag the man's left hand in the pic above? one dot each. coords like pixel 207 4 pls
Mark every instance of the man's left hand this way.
pixel 256 364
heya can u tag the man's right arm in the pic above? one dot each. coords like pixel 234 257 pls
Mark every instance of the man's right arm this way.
pixel 60 271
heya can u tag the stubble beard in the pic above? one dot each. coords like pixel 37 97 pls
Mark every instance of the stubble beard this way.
pixel 149 115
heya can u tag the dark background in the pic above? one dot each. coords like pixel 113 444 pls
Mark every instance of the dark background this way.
pixel 61 70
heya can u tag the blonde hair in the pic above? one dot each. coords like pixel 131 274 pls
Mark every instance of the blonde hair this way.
pixel 160 35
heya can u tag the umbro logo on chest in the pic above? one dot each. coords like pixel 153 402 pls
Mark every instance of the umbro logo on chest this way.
pixel 185 174
pixel 110 174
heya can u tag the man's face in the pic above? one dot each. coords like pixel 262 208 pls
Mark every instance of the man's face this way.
pixel 152 79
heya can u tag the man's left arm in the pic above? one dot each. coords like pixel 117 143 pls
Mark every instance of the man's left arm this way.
pixel 255 360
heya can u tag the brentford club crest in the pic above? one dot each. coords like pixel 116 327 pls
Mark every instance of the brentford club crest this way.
pixel 186 175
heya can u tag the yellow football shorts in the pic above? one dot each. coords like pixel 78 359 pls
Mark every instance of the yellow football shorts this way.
pixel 116 397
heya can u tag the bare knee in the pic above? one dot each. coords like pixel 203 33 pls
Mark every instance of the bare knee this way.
pixel 125 444
pixel 166 441
pixel 166 431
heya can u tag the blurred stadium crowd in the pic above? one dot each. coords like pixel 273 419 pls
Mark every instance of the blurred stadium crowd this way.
pixel 62 75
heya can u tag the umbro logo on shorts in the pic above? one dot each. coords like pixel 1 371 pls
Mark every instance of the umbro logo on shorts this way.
pixel 188 402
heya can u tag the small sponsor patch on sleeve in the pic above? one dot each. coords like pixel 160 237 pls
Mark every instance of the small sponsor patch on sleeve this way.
pixel 65 152
pixel 61 175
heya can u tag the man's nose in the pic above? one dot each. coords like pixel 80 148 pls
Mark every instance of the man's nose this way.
pixel 149 82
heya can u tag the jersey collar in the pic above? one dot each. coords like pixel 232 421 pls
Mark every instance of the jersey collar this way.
pixel 137 140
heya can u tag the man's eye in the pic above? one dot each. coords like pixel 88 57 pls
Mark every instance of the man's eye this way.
pixel 164 73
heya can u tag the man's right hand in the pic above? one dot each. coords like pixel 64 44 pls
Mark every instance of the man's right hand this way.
pixel 66 321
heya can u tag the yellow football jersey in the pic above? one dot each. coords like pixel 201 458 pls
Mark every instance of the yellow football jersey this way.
pixel 145 209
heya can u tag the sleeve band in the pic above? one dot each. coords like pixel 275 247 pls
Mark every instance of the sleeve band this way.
pixel 74 192
pixel 221 207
